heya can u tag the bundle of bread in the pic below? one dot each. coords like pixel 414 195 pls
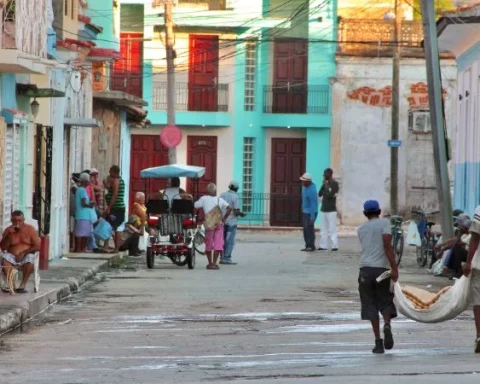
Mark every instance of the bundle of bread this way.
pixel 422 299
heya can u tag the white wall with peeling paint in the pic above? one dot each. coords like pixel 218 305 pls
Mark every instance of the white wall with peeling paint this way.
pixel 360 155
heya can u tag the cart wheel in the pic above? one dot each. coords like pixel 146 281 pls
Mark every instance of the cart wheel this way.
pixel 150 258
pixel 191 258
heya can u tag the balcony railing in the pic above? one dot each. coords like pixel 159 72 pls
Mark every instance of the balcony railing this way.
pixel 211 5
pixel 192 98
pixel 358 36
pixel 297 99
pixel 127 81
pixel 24 26
pixel 107 79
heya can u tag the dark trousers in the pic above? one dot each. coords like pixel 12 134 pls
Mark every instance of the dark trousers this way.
pixel 308 231
pixel 458 256
pixel 131 244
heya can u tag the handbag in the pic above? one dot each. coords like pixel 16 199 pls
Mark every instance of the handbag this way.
pixel 214 217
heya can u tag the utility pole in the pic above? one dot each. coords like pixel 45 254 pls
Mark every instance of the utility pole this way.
pixel 397 32
pixel 436 116
pixel 170 41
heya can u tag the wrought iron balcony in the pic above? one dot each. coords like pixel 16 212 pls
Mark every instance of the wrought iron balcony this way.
pixel 24 26
pixel 359 36
pixel 294 98
pixel 192 98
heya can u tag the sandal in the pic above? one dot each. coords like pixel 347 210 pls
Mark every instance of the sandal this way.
pixel 21 290
pixel 210 266
pixel 215 266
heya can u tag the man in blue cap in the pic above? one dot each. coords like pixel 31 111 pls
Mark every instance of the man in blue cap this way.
pixel 377 258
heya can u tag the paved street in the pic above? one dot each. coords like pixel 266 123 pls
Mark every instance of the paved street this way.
pixel 280 316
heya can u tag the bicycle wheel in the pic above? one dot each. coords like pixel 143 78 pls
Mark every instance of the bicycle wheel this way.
pixel 422 253
pixel 399 248
pixel 199 243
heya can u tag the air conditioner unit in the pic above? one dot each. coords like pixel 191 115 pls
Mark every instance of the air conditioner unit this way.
pixel 419 122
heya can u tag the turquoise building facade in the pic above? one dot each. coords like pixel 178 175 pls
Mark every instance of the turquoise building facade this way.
pixel 267 103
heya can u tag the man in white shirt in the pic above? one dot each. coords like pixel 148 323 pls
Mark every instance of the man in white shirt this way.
pixel 473 268
pixel 230 228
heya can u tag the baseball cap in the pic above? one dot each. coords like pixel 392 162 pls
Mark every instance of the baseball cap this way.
pixel 371 206
pixel 94 171
pixel 233 184
pixel 306 177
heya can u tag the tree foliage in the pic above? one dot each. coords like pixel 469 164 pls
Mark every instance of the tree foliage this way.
pixel 440 7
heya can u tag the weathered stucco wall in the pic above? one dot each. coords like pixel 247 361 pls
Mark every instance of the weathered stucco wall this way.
pixel 362 126
pixel 106 138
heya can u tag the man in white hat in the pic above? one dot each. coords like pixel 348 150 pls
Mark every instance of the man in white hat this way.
pixel 230 227
pixel 309 211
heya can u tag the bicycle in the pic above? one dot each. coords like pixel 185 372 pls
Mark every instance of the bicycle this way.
pixel 398 240
pixel 430 239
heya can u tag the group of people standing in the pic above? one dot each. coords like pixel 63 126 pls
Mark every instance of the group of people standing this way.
pixel 310 198
pixel 220 230
pixel 91 201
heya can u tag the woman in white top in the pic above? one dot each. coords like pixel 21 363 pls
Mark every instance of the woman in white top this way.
pixel 213 237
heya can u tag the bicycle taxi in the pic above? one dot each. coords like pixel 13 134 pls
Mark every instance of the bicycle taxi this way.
pixel 177 236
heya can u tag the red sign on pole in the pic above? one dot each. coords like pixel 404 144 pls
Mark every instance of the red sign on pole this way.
pixel 171 136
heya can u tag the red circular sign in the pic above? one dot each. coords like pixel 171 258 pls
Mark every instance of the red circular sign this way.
pixel 171 136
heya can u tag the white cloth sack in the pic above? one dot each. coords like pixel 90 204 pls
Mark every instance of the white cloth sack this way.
pixel 413 236
pixel 451 304
pixel 143 242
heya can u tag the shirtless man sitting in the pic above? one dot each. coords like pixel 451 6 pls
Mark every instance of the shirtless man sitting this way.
pixel 19 242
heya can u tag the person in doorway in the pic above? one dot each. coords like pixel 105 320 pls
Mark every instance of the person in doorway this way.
pixel 83 214
pixel 377 257
pixel 213 236
pixel 20 242
pixel 473 268
pixel 115 200
pixel 328 193
pixel 309 211
pixel 74 184
pixel 230 227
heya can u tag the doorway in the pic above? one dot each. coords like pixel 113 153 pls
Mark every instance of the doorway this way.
pixel 288 164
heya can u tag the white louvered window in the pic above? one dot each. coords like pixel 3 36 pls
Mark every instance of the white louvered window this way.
pixel 247 184
pixel 250 61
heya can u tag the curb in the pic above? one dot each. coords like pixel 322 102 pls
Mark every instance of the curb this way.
pixel 24 311
pixel 342 231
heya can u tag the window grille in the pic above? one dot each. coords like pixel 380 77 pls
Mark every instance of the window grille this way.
pixel 247 184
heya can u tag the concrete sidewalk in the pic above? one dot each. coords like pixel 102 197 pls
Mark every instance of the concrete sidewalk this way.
pixel 63 277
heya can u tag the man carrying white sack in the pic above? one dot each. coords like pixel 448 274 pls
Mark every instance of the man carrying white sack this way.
pixel 377 258
pixel 473 268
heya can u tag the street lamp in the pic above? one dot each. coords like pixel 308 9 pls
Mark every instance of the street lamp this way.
pixel 34 107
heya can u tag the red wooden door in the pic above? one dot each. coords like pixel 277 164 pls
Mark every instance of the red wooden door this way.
pixel 128 70
pixel 288 164
pixel 203 73
pixel 202 151
pixel 146 151
pixel 290 76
